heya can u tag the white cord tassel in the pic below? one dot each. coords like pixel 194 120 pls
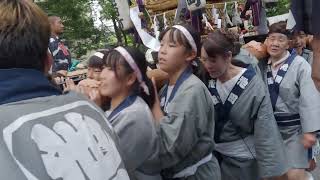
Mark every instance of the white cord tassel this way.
pixel 165 21
pixel 226 15
pixel 156 27
pixel 215 15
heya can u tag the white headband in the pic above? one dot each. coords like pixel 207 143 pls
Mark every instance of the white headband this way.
pixel 99 55
pixel 134 66
pixel 189 37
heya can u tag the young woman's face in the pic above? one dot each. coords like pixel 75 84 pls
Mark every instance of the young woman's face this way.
pixel 94 73
pixel 215 66
pixel 171 55
pixel 110 86
pixel 277 44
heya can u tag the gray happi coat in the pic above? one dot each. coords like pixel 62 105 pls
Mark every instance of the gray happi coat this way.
pixel 186 131
pixel 57 137
pixel 134 124
pixel 251 115
pixel 297 95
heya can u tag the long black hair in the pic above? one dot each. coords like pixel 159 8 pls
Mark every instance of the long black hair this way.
pixel 114 59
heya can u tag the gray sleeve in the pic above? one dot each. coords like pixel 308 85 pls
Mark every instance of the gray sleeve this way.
pixel 309 100
pixel 188 119
pixel 268 141
pixel 246 57
pixel 136 136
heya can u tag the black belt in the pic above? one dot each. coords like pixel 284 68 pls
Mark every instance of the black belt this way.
pixel 285 121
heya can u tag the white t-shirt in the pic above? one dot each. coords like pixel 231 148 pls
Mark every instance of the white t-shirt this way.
pixel 276 66
pixel 225 88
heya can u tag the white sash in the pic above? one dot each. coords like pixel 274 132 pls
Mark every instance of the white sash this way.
pixel 191 170
pixel 242 148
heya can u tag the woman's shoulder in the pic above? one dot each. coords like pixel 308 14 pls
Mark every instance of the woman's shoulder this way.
pixel 193 88
pixel 300 60
pixel 137 115
pixel 300 64
pixel 139 109
pixel 194 82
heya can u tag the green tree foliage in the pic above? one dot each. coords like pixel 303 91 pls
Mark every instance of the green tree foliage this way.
pixel 80 33
pixel 281 7
pixel 75 15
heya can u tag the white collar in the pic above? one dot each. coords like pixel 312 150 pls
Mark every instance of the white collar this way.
pixel 277 63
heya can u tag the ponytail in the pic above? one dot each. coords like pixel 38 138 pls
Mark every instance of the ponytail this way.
pixel 149 99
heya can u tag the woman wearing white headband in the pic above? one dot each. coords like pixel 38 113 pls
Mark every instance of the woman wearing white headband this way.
pixel 124 80
pixel 184 113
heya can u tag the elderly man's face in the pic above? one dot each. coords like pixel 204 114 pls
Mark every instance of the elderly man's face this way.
pixel 277 44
